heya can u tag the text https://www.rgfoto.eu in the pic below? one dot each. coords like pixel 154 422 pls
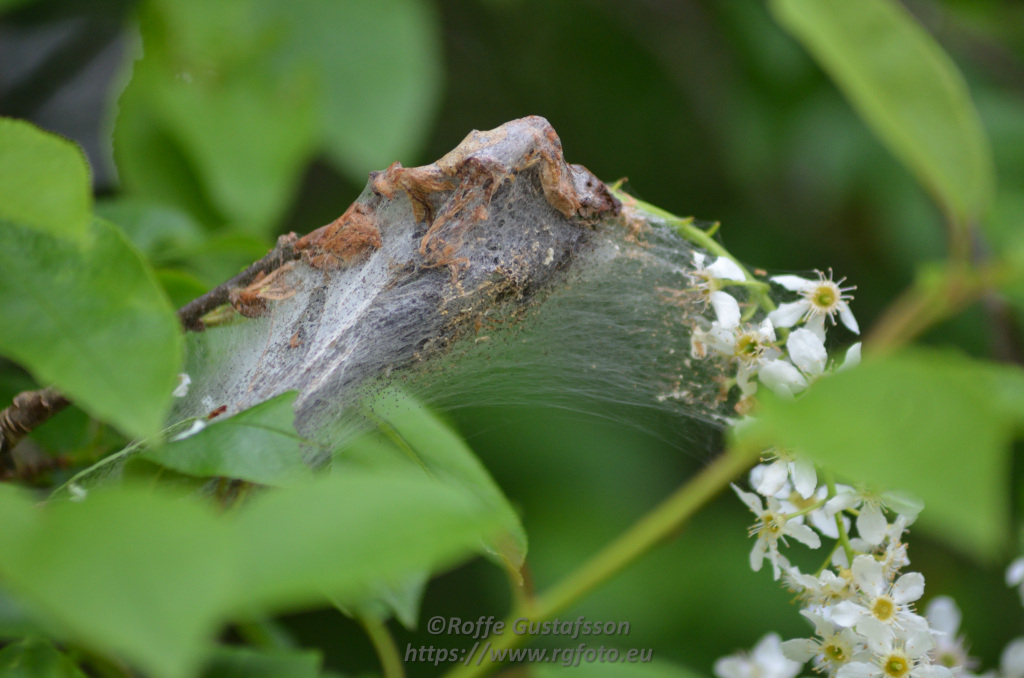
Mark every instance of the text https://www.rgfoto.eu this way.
pixel 568 656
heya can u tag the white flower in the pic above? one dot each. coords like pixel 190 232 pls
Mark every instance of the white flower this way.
pixel 771 526
pixel 897 658
pixel 835 648
pixel 944 619
pixel 806 364
pixel 787 464
pixel 182 390
pixel 706 280
pixel 871 523
pixel 883 607
pixel 822 297
pixel 821 593
pixel 765 661
pixel 1011 663
pixel 1015 575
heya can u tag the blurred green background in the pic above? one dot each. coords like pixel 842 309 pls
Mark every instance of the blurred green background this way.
pixel 250 118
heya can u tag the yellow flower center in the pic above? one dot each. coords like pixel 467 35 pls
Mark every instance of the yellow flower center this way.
pixel 896 666
pixel 884 608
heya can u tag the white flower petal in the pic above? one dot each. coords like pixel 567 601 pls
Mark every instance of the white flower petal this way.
pixel 757 554
pixel 1015 572
pixel 877 633
pixel 903 504
pixel 852 358
pixel 822 627
pixel 807 352
pixel 908 588
pixel 816 325
pixel 868 574
pixel 846 317
pixel 732 667
pixel 752 501
pixel 727 309
pixel 918 643
pixel 789 314
pixel 794 283
pixel 802 534
pixel 841 502
pixel 726 269
pixel 773 478
pixel 805 478
pixel 933 671
pixel 1011 663
pixel 871 523
pixel 698 260
pixel 847 613
pixel 858 670
pixel 782 378
pixel 799 649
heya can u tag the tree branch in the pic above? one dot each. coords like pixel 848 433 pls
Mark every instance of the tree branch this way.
pixel 191 314
pixel 29 410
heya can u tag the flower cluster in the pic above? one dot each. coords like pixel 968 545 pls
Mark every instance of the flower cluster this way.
pixel 862 607
pixel 786 367
pixel 861 603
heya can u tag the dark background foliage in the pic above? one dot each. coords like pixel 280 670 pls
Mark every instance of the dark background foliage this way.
pixel 707 107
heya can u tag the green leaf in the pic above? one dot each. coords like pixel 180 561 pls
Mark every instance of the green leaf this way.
pixel 411 435
pixel 44 180
pixel 342 534
pixel 259 445
pixel 210 95
pixel 142 575
pixel 242 662
pixel 231 99
pixel 160 232
pixel 36 658
pixel 621 667
pixel 93 321
pixel 934 424
pixel 380 75
pixel 906 89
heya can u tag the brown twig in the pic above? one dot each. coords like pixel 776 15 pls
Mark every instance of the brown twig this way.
pixel 31 409
pixel 191 314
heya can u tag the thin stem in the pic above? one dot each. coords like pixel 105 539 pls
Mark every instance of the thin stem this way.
pixel 934 296
pixel 844 538
pixel 384 644
pixel 663 521
pixel 703 239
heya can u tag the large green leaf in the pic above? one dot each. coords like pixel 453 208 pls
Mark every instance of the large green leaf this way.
pixel 343 534
pixel 411 435
pixel 934 424
pixel 44 180
pixel 241 662
pixel 91 319
pixel 141 575
pixel 380 76
pixel 151 577
pixel 231 99
pixel 36 658
pixel 906 89
pixel 259 445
